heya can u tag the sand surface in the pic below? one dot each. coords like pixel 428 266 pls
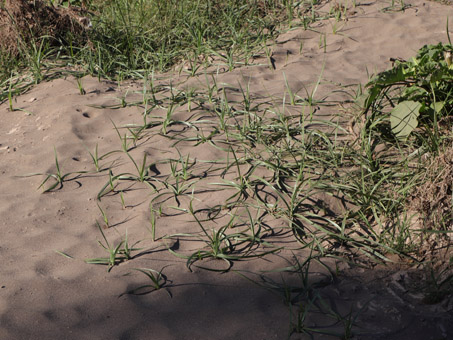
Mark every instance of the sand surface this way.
pixel 44 295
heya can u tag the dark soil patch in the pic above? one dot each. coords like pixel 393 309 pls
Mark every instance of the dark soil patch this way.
pixel 26 22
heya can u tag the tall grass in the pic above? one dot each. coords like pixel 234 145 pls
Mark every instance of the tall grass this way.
pixel 128 38
pixel 138 35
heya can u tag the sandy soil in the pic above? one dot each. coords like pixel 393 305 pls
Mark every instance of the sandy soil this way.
pixel 44 295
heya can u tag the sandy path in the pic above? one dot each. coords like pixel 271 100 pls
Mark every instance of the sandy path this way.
pixel 46 296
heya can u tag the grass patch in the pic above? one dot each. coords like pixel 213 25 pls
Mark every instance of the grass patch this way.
pixel 279 168
pixel 126 39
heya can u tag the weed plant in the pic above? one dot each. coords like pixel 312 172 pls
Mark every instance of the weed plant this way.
pixel 415 96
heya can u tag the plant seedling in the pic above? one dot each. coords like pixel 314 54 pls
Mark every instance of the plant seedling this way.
pixel 58 176
pixel 80 86
pixel 116 253
pixel 158 281
pixel 152 220
pixel 104 217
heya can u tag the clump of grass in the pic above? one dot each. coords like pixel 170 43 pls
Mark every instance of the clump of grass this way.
pixel 223 245
pixel 128 38
pixel 158 281
pixel 59 178
pixel 177 30
pixel 116 253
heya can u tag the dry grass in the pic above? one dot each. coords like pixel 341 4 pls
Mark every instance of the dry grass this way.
pixel 434 198
pixel 25 22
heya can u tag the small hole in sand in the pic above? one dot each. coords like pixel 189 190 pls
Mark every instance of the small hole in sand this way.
pixel 86 115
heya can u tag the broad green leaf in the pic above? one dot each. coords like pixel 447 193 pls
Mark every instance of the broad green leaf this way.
pixel 390 77
pixel 414 91
pixel 404 118
pixel 369 97
pixel 437 106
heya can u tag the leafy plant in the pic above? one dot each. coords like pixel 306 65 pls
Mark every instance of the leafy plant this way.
pixel 158 281
pixel 96 158
pixel 414 93
pixel 117 253
pixel 58 177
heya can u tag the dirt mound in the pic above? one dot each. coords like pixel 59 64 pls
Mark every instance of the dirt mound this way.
pixel 433 199
pixel 23 22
